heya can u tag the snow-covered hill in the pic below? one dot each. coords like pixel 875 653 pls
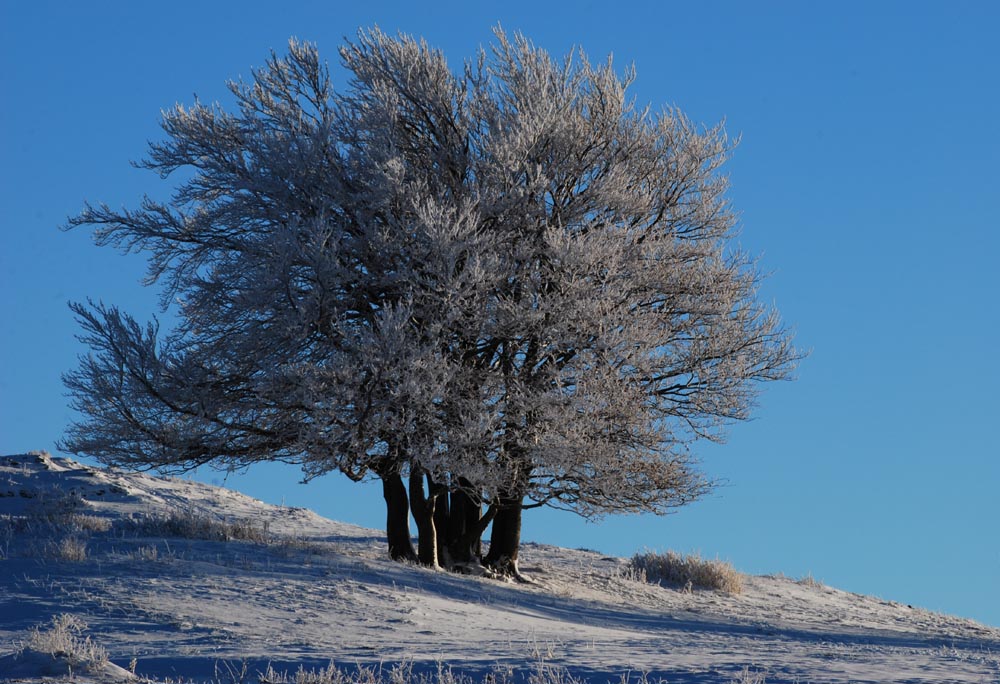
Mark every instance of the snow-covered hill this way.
pixel 182 581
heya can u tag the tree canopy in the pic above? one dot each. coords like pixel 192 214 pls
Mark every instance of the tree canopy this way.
pixel 506 283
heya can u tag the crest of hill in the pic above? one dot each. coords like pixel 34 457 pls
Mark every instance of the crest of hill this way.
pixel 175 577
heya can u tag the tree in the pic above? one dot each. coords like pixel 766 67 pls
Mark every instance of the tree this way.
pixel 507 284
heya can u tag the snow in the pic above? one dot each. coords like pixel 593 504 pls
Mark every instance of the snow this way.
pixel 312 590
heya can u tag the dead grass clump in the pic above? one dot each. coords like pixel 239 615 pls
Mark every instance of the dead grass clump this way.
pixel 146 554
pixel 691 571
pixel 748 676
pixel 71 548
pixel 287 547
pixel 52 534
pixel 64 638
pixel 187 525
pixel 48 522
pixel 6 535
pixel 404 673
pixel 332 674
pixel 78 522
pixel 245 529
pixel 809 581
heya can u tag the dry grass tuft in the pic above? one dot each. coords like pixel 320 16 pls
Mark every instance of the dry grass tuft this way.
pixel 187 525
pixel 79 522
pixel 71 548
pixel 748 676
pixel 404 673
pixel 145 554
pixel 64 638
pixel 690 571
pixel 55 534
pixel 809 581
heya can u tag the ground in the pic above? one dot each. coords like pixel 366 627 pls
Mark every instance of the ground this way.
pixel 184 581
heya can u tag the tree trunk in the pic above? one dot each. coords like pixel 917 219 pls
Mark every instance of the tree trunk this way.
pixel 422 507
pixel 397 522
pixel 505 539
pixel 464 529
pixel 442 521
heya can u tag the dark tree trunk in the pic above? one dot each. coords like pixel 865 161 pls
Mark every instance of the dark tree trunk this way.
pixel 422 507
pixel 442 521
pixel 505 539
pixel 397 522
pixel 464 526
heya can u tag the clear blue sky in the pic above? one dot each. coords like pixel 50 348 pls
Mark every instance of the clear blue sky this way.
pixel 867 180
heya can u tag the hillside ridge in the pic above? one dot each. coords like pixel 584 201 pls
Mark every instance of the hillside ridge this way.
pixel 175 576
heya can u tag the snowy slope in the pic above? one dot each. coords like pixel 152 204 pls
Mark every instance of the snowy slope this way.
pixel 293 589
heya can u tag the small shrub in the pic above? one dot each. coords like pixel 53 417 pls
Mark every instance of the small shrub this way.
pixel 64 638
pixel 689 571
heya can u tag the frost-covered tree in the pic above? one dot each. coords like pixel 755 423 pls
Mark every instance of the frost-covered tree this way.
pixel 507 285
